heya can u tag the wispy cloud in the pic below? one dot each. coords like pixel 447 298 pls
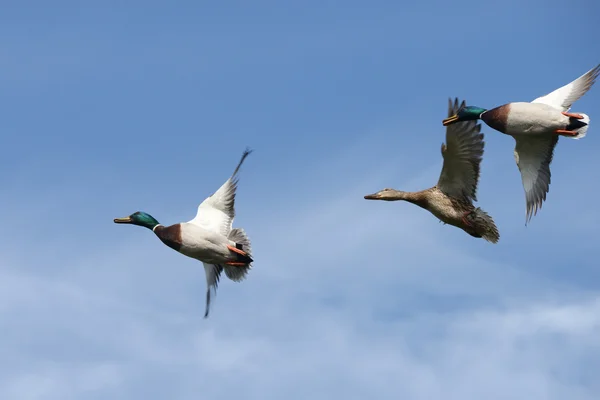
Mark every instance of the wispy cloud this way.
pixel 353 298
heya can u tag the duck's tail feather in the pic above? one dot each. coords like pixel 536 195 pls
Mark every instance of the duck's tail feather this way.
pixel 484 225
pixel 234 272
pixel 579 125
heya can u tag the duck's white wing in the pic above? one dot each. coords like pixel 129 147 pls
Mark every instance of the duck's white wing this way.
pixel 563 97
pixel 216 213
pixel 533 155
pixel 213 273
pixel 462 155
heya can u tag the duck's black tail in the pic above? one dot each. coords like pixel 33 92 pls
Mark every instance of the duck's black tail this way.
pixel 578 125
pixel 234 272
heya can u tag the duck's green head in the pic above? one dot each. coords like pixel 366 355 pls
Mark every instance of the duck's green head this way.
pixel 468 113
pixel 138 218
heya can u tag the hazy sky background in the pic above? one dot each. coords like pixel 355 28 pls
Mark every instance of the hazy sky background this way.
pixel 107 108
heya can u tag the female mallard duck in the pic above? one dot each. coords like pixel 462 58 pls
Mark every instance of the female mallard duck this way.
pixel 451 200
pixel 208 237
pixel 536 127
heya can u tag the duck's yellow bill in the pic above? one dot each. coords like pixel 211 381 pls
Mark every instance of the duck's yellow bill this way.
pixel 450 120
pixel 126 220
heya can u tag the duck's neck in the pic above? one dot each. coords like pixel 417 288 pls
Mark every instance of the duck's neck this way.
pixel 417 198
pixel 156 228
pixel 149 223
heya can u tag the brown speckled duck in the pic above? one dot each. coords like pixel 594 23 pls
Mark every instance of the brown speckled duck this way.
pixel 208 237
pixel 536 127
pixel 451 200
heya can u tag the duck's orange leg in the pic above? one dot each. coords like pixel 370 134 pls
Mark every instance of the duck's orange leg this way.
pixel 242 253
pixel 564 132
pixel 572 115
pixel 236 250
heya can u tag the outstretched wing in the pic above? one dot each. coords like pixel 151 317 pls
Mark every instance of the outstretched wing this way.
pixel 462 155
pixel 216 213
pixel 563 97
pixel 533 155
pixel 213 273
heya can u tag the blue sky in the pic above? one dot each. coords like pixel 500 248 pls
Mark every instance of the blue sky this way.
pixel 112 108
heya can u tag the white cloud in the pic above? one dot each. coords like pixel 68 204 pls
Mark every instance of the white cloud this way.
pixel 349 298
pixel 61 381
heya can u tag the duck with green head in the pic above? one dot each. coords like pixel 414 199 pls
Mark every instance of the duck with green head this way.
pixel 451 200
pixel 536 127
pixel 209 237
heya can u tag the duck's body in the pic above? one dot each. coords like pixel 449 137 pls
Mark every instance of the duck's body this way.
pixel 209 237
pixel 451 200
pixel 530 119
pixel 536 127
pixel 206 246
pixel 196 242
pixel 449 210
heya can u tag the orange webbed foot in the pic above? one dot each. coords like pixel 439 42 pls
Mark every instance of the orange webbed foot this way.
pixel 572 115
pixel 236 250
pixel 236 264
pixel 564 132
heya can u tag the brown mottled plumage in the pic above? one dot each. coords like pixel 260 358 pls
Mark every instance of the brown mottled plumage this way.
pixel 451 200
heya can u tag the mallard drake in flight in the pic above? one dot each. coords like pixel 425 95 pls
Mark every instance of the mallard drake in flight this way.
pixel 451 200
pixel 536 127
pixel 208 237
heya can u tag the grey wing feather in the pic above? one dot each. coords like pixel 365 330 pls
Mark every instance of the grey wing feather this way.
pixel 213 273
pixel 462 155
pixel 534 156
pixel 564 97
